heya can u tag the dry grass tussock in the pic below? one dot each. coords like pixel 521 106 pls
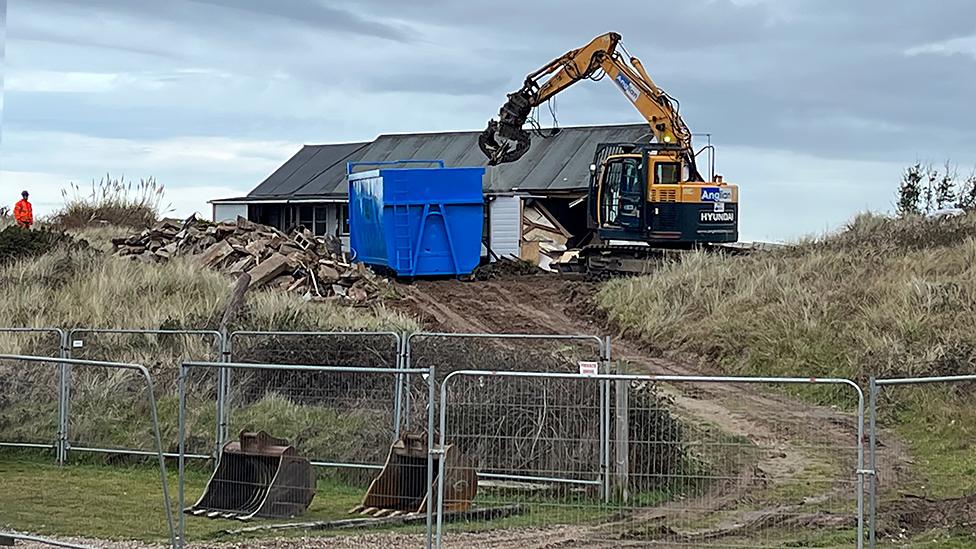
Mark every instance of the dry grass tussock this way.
pixel 884 297
pixel 83 287
pixel 72 288
pixel 111 201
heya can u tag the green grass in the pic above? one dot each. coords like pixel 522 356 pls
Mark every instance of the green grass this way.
pixel 941 437
pixel 125 503
pixel 113 502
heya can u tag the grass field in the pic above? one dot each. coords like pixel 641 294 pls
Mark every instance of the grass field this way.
pixel 118 502
pixel 125 503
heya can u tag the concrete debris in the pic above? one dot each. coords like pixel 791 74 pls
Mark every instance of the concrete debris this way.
pixel 300 262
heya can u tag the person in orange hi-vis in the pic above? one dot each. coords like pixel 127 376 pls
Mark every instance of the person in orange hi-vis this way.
pixel 24 212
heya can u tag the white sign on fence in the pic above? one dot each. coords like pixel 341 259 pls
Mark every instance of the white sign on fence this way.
pixel 589 368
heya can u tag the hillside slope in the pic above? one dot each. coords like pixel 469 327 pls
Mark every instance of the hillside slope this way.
pixel 884 297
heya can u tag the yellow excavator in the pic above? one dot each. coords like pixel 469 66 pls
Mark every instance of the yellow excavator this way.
pixel 649 195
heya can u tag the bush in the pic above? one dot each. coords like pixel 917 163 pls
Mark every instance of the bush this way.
pixel 112 202
pixel 17 243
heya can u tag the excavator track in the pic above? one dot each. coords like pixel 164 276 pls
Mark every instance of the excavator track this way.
pixel 602 261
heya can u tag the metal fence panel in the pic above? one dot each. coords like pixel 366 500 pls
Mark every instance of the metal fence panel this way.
pixel 51 496
pixel 101 403
pixel 338 417
pixel 923 484
pixel 450 352
pixel 677 481
pixel 31 396
pixel 336 348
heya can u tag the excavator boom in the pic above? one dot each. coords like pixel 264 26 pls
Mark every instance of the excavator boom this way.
pixel 505 139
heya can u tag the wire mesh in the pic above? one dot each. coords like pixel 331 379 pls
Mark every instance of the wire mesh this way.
pixel 373 400
pixel 924 463
pixel 29 393
pixel 105 406
pixel 315 442
pixel 95 501
pixel 681 474
pixel 448 352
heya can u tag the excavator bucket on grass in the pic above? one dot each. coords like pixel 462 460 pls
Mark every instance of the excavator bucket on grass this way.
pixel 258 476
pixel 401 487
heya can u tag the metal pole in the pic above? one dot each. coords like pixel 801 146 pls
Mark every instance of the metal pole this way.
pixel 440 466
pixel 407 398
pixel 162 460
pixel 223 385
pixel 873 448
pixel 181 459
pixel 431 400
pixel 398 391
pixel 605 425
pixel 621 462
pixel 860 466
pixel 64 370
pixel 42 541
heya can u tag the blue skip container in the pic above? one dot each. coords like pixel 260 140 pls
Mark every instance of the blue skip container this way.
pixel 416 221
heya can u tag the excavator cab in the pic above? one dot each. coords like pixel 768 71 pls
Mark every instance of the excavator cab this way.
pixel 641 193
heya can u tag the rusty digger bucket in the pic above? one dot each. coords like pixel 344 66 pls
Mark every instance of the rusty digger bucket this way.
pixel 401 487
pixel 258 476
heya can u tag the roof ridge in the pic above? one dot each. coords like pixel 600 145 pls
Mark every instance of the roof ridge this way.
pixel 458 132
pixel 342 144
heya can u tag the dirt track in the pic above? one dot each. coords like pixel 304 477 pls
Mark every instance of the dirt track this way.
pixel 797 441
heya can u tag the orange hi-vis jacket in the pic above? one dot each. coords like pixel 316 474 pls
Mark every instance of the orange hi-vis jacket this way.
pixel 24 213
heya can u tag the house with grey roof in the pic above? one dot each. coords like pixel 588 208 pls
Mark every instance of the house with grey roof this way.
pixel 310 189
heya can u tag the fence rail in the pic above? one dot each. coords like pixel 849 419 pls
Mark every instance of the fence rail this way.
pixel 466 420
pixel 402 371
pixel 153 413
pixel 236 478
pixel 933 491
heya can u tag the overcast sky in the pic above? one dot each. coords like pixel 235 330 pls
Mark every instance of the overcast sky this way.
pixel 815 105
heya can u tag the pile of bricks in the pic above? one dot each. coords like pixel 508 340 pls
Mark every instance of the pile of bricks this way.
pixel 301 262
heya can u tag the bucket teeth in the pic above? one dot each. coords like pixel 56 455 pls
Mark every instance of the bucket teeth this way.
pixel 257 476
pixel 402 487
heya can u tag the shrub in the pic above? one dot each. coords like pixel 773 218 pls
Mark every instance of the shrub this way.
pixel 112 202
pixel 17 243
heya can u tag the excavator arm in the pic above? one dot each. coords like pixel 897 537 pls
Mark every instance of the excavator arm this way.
pixel 505 140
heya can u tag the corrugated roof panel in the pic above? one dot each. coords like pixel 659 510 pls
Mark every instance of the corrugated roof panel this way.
pixel 560 162
pixel 274 181
pixel 301 181
pixel 575 174
pixel 294 176
pixel 331 180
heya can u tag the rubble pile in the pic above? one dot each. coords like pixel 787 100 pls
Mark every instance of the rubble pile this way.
pixel 313 266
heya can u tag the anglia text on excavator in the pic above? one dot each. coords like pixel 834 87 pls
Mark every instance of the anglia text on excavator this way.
pixel 645 200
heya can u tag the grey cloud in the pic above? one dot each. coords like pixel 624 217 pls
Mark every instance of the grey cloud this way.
pixel 243 18
pixel 825 77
